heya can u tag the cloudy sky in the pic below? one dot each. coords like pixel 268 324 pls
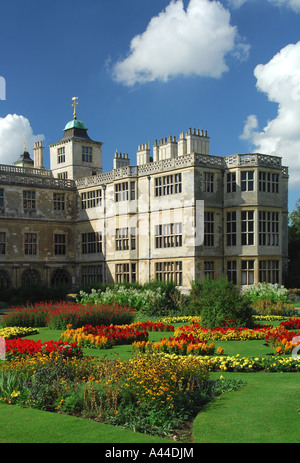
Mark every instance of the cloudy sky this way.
pixel 147 69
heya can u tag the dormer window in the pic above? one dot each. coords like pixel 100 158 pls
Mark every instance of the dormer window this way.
pixel 87 155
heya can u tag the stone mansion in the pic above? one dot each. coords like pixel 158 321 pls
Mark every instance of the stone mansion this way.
pixel 179 213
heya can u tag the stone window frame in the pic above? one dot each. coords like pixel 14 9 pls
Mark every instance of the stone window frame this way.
pixel 5 281
pixel 61 155
pixel 268 182
pixel 87 154
pixel 91 243
pixel 209 269
pixel 59 201
pixel 168 235
pixel 247 271
pixel 2 196
pixel 231 182
pixel 166 185
pixel 29 200
pixel 92 274
pixel 268 271
pixel 30 244
pixel 125 240
pixel 60 244
pixel 209 229
pixel 169 271
pixel 91 199
pixel 247 180
pixel 231 271
pixel 247 228
pixel 268 231
pixel 231 228
pixel 208 182
pixel 125 271
pixel 2 243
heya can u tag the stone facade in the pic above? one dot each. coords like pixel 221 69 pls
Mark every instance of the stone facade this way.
pixel 178 214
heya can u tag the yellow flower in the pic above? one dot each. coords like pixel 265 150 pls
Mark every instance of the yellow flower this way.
pixel 15 393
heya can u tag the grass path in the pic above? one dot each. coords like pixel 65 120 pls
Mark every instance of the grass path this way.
pixel 265 410
pixel 31 426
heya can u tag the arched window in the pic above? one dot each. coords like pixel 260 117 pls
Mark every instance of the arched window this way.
pixel 60 277
pixel 31 278
pixel 4 280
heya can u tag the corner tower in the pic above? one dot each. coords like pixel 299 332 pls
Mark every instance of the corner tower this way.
pixel 76 155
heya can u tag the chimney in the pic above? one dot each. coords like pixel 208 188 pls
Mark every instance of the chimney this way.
pixel 38 155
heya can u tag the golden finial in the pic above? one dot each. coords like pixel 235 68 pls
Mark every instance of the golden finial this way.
pixel 24 143
pixel 75 103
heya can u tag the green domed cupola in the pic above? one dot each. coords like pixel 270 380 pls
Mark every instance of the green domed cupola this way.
pixel 75 123
pixel 75 128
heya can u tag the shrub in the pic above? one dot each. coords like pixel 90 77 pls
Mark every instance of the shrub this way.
pixel 58 315
pixel 153 299
pixel 268 307
pixel 273 293
pixel 220 303
pixel 48 384
pixel 33 293
pixel 294 294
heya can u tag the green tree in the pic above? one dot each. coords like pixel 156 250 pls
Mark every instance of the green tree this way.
pixel 293 280
pixel 220 303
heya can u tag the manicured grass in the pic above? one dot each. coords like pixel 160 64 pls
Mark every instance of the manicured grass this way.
pixel 28 425
pixel 264 410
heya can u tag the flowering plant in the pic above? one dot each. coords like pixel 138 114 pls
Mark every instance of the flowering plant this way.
pixel 269 291
pixel 102 336
pixel 181 345
pixel 292 323
pixel 17 332
pixel 19 347
pixel 282 340
pixel 223 333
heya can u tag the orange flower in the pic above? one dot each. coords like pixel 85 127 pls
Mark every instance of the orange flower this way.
pixel 279 350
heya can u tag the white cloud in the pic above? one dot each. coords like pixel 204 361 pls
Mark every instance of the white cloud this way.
pixel 250 124
pixel 279 79
pixel 13 128
pixel 293 4
pixel 194 41
pixel 236 3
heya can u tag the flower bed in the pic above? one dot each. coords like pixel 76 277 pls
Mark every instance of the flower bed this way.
pixel 59 314
pixel 149 393
pixel 152 326
pixel 181 319
pixel 282 340
pixel 223 333
pixel 104 337
pixel 19 347
pixel 292 323
pixel 17 332
pixel 245 364
pixel 181 345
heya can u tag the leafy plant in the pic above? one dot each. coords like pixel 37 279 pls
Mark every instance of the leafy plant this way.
pixel 220 303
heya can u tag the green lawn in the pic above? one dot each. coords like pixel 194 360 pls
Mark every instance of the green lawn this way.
pixel 266 409
pixel 28 425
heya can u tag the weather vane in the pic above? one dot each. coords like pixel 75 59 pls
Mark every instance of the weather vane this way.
pixel 75 103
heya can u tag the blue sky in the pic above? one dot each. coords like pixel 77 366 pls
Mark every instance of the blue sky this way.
pixel 147 69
